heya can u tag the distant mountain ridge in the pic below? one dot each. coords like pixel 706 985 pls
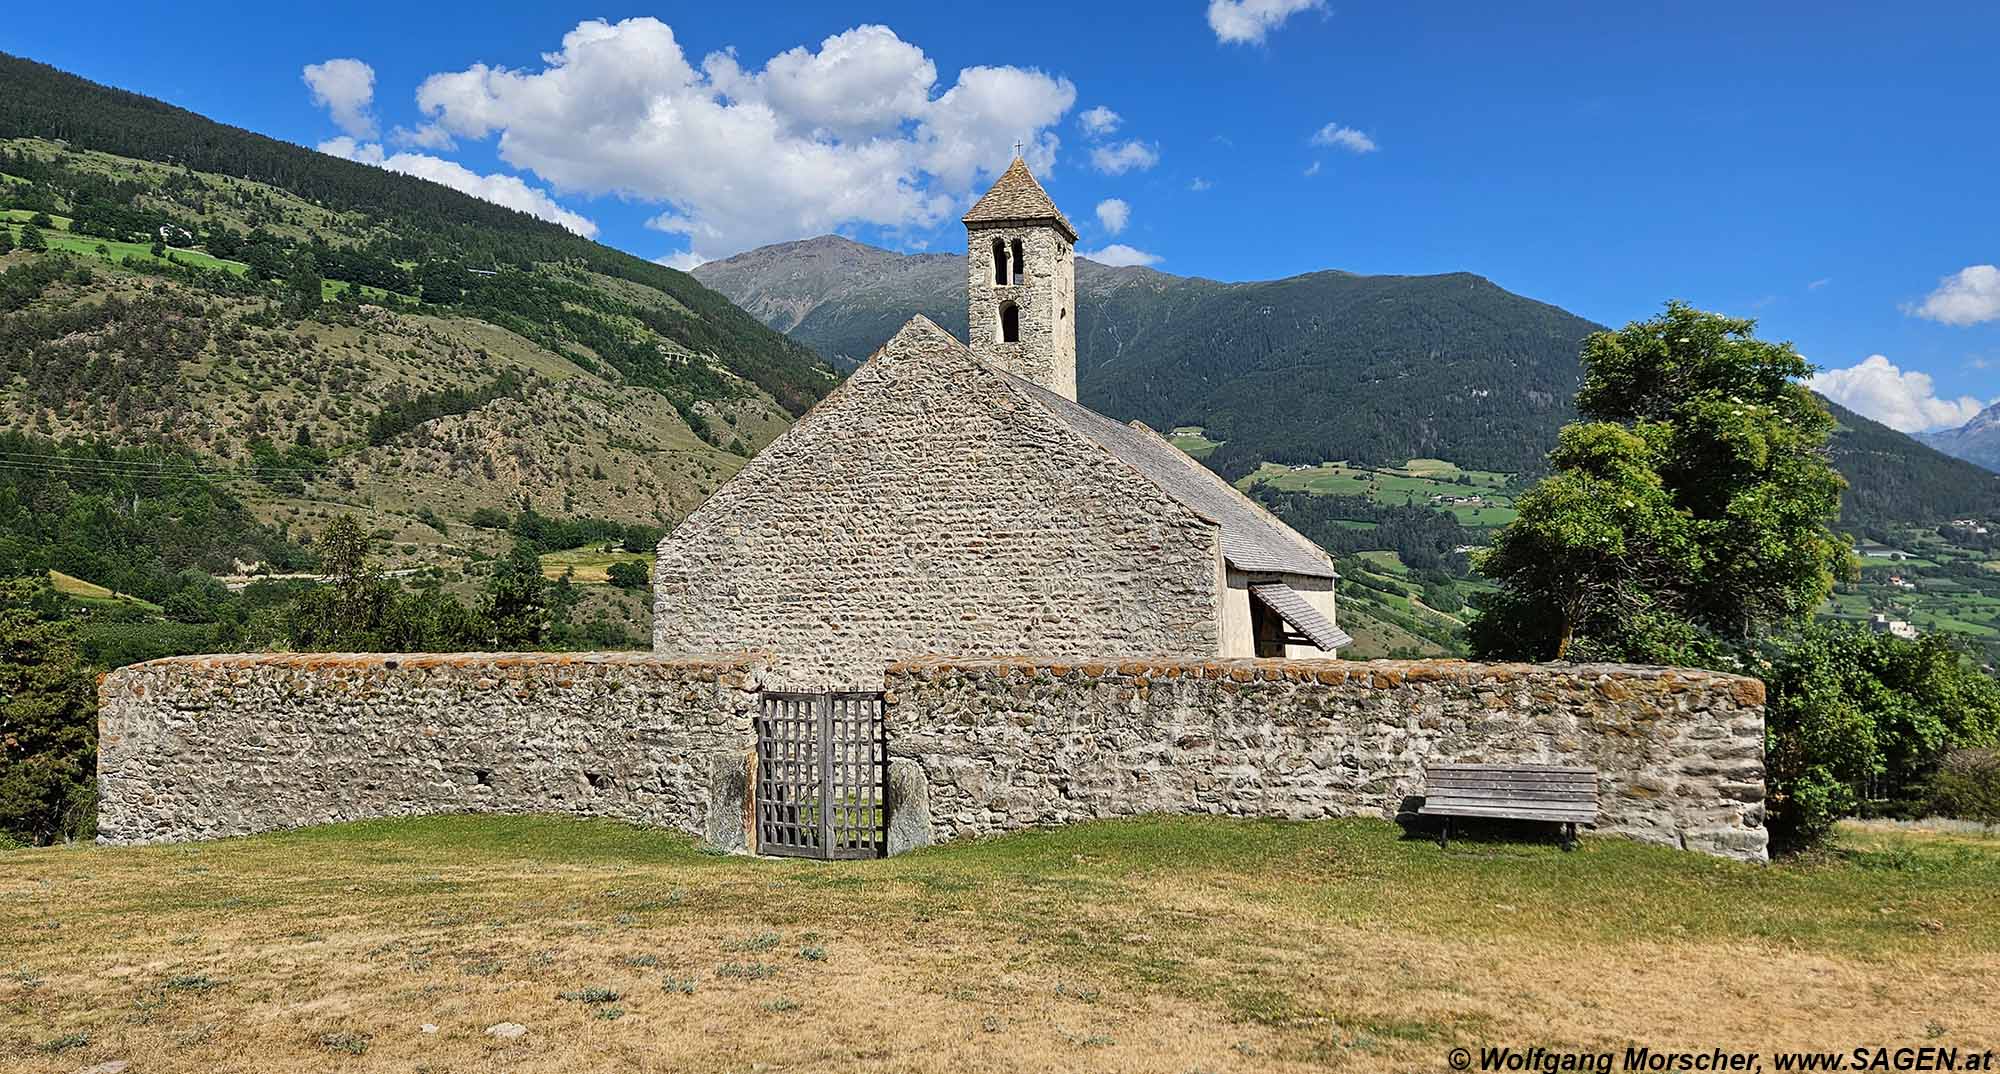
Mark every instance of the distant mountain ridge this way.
pixel 1976 441
pixel 1255 363
pixel 1323 366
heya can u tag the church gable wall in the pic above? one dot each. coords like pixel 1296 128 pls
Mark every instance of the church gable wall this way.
pixel 927 507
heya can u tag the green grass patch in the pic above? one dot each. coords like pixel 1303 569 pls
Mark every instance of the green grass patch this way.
pixel 91 593
pixel 590 564
pixel 1194 440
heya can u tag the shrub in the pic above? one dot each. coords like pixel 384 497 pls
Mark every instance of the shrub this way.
pixel 1849 709
pixel 628 574
pixel 1967 786
pixel 491 518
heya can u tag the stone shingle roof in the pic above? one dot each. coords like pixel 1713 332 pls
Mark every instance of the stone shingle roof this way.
pixel 1016 196
pixel 1252 539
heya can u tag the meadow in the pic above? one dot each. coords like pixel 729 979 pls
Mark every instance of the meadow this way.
pixel 1147 944
pixel 1417 483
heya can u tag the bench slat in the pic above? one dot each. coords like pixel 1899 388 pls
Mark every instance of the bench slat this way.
pixel 1578 816
pixel 1517 777
pixel 1545 769
pixel 1548 794
pixel 1526 785
pixel 1530 804
pixel 1515 799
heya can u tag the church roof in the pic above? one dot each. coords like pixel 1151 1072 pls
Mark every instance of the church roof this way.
pixel 1252 539
pixel 1017 196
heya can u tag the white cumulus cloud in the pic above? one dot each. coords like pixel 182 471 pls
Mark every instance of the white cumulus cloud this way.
pixel 1200 184
pixel 1119 255
pixel 1099 121
pixel 857 131
pixel 1242 22
pixel 1113 214
pixel 1905 400
pixel 505 190
pixel 685 260
pixel 1121 157
pixel 1969 296
pixel 1339 137
pixel 346 89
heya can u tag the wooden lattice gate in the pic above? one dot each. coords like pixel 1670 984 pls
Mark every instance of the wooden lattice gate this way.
pixel 822 771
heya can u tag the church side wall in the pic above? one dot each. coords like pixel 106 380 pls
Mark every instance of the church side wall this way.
pixel 929 507
pixel 202 747
pixel 1010 744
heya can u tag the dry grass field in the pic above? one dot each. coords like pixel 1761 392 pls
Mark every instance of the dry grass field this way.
pixel 1144 945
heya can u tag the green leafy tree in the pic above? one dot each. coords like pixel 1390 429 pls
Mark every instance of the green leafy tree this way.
pixel 6 242
pixel 1848 708
pixel 1686 517
pixel 628 574
pixel 32 240
pixel 48 721
pixel 303 286
pixel 344 614
pixel 517 602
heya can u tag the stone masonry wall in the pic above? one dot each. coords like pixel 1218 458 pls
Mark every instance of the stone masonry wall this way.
pixel 930 506
pixel 1012 743
pixel 201 747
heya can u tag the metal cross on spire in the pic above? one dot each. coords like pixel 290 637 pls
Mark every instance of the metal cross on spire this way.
pixel 1017 148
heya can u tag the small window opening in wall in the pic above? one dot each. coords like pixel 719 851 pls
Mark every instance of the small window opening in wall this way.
pixel 598 781
pixel 999 261
pixel 483 778
pixel 1020 263
pixel 1010 323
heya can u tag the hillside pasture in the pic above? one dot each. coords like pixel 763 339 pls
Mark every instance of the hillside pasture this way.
pixel 591 564
pixel 1194 440
pixel 1148 944
pixel 1420 483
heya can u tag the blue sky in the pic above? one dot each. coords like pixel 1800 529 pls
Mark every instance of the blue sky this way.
pixel 1827 168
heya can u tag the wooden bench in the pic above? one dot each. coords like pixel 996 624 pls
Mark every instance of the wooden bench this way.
pixel 1564 796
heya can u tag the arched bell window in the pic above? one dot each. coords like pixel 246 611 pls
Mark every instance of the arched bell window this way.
pixel 1010 323
pixel 999 261
pixel 1020 263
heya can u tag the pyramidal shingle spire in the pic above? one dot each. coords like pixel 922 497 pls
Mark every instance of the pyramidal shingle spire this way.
pixel 1016 196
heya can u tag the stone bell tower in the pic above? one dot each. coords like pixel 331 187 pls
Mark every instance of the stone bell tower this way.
pixel 1020 285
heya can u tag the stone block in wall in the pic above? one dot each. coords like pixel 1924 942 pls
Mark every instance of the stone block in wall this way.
pixel 908 802
pixel 729 803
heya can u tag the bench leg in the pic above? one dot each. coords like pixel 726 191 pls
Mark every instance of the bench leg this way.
pixel 1569 836
pixel 1444 833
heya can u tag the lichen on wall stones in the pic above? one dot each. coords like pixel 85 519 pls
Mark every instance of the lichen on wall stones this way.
pixel 1013 743
pixel 201 747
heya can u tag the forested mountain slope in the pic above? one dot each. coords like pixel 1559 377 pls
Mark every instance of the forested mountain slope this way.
pixel 1326 366
pixel 308 337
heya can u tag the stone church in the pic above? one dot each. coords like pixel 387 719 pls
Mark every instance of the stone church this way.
pixel 954 499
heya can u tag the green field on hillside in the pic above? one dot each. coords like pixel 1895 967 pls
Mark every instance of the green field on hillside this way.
pixel 1194 440
pixel 1476 498
pixel 589 564
pixel 112 250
